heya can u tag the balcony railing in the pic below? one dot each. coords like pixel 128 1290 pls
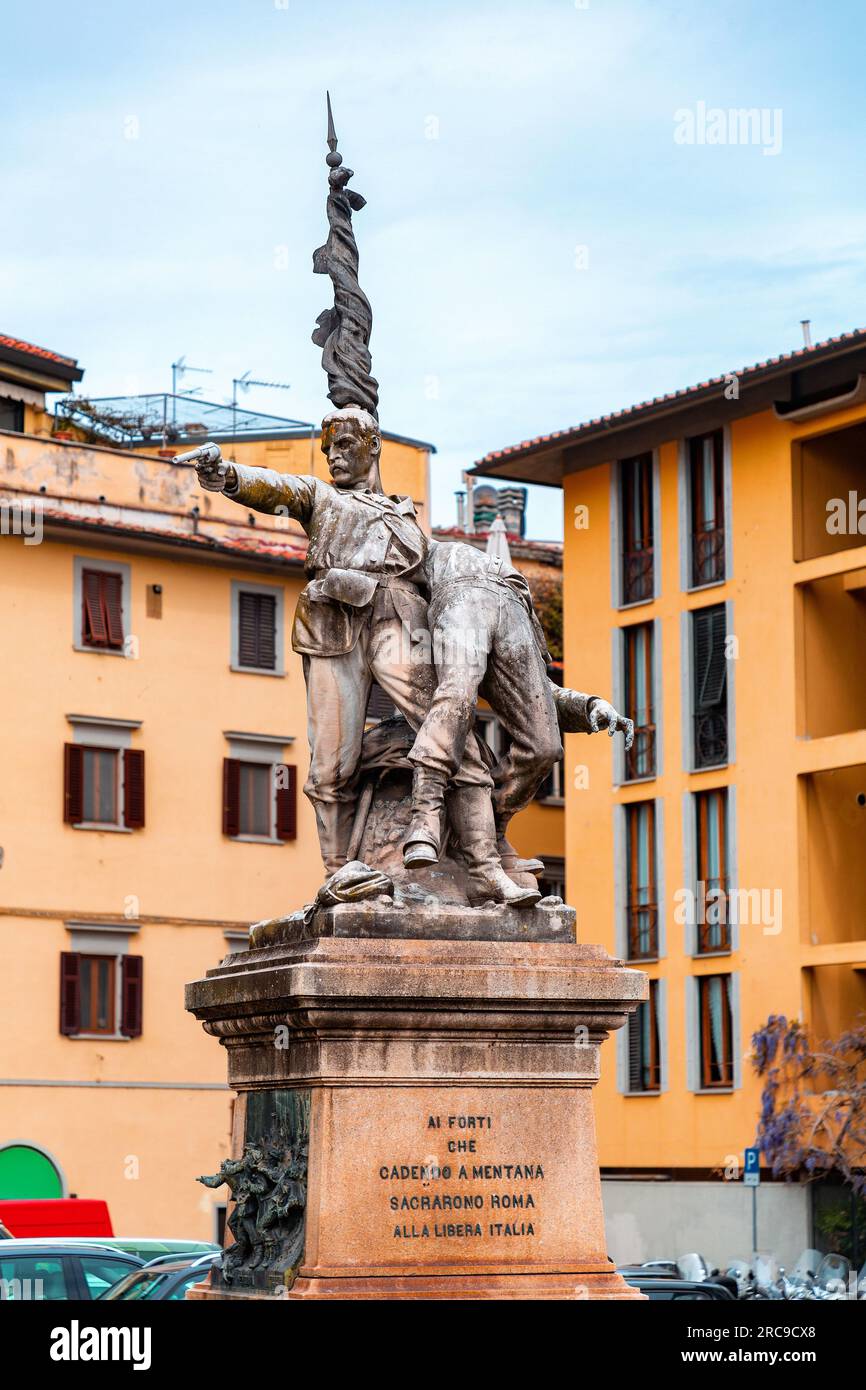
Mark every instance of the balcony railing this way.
pixel 640 760
pixel 711 737
pixel 643 933
pixel 714 928
pixel 637 575
pixel 708 555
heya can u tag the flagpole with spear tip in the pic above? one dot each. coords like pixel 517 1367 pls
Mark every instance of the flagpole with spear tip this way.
pixel 343 332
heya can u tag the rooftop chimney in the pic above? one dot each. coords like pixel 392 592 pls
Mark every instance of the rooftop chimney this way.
pixel 806 325
pixel 469 528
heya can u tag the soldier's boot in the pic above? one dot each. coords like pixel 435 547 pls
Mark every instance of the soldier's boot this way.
pixel 423 842
pixel 471 816
pixel 510 860
pixel 334 820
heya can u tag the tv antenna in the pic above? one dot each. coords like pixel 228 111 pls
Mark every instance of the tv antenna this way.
pixel 243 383
pixel 178 370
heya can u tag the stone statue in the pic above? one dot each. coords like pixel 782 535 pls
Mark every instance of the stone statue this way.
pixel 434 624
pixel 428 982
pixel 248 1179
pixel 486 639
pixel 268 1186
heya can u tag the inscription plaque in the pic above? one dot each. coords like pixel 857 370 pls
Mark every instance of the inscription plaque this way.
pixel 490 1176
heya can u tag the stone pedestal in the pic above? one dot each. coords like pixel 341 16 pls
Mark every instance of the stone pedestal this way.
pixel 431 1103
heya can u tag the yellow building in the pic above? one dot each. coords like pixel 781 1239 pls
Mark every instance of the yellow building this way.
pixel 149 692
pixel 715 586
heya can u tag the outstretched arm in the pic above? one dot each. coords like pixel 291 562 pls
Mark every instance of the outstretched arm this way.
pixel 262 489
pixel 588 714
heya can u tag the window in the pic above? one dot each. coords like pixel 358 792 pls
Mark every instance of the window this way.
pixel 103 787
pixel 146 1284
pixel 11 415
pixel 716 1032
pixel 97 992
pixel 488 728
pixel 254 798
pixel 195 1276
pixel 32 1277
pixel 101 1272
pixel 640 760
pixel 644 1054
pixel 713 928
pixel 259 800
pixel 707 499
pixel 257 629
pixel 97 985
pixel 220 1214
pixel 551 883
pixel 102 608
pixel 709 692
pixel 551 788
pixel 636 528
pixel 99 784
pixel 641 881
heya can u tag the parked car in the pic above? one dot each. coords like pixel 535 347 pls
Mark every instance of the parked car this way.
pixel 689 1269
pixel 651 1269
pixel 162 1281
pixel 49 1217
pixel 57 1269
pixel 150 1247
pixel 667 1290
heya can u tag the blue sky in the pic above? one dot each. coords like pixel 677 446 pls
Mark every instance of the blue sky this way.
pixel 492 141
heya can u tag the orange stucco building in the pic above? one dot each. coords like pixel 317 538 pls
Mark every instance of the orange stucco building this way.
pixel 715 584
pixel 149 692
pixel 146 630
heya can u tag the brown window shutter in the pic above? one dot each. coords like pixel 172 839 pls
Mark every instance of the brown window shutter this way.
pixel 635 1050
pixel 73 783
pixel 267 632
pixel 247 630
pixel 133 788
pixel 709 656
pixel 93 628
pixel 112 593
pixel 70 992
pixel 286 781
pixel 231 796
pixel 131 983
pixel 257 616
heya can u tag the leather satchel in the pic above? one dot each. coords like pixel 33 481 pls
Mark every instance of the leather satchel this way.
pixel 354 587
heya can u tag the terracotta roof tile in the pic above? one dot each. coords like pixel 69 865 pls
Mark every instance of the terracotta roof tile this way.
pixel 18 345
pixel 292 554
pixel 684 393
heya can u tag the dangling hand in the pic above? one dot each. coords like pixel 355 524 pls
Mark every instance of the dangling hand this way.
pixel 603 715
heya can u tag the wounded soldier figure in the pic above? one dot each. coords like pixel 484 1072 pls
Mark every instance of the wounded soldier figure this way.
pixel 486 640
